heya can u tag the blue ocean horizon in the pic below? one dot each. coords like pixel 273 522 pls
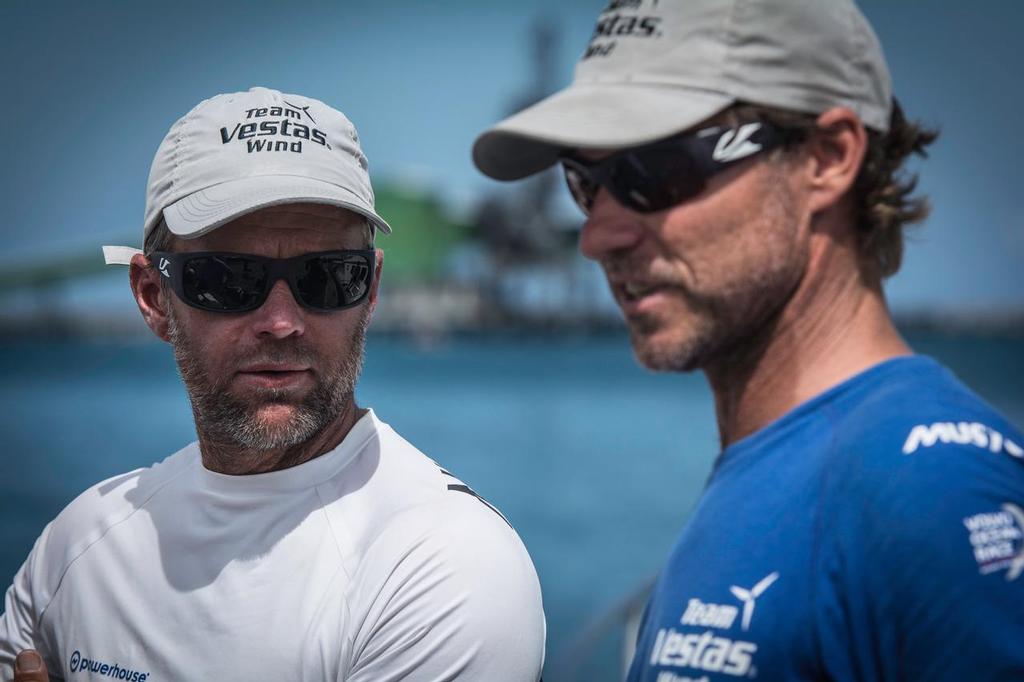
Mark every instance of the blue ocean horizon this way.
pixel 595 461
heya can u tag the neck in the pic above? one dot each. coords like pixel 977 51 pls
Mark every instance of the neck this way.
pixel 831 329
pixel 231 458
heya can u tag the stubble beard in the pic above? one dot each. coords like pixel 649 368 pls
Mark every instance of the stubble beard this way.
pixel 229 421
pixel 721 324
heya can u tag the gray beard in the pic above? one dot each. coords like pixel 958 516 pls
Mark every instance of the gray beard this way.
pixel 225 420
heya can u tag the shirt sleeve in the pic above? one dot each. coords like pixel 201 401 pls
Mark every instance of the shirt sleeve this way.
pixel 23 605
pixel 447 596
pixel 926 576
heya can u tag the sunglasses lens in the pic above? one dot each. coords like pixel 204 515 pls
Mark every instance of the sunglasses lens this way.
pixel 654 178
pixel 331 282
pixel 224 283
pixel 236 283
pixel 581 187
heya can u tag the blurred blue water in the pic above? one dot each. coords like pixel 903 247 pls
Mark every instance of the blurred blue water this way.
pixel 594 461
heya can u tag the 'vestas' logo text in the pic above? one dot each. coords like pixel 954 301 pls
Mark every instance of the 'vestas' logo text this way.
pixel 279 122
pixel 617 21
pixel 703 652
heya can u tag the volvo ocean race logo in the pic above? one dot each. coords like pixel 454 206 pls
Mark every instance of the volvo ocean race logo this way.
pixel 997 540
pixel 81 663
pixel 708 651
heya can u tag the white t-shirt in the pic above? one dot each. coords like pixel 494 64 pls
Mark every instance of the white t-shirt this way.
pixel 367 563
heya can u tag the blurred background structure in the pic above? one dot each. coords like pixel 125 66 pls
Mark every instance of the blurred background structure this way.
pixel 496 347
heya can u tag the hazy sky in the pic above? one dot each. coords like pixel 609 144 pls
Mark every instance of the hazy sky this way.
pixel 93 86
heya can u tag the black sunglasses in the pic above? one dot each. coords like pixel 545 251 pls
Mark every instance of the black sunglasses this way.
pixel 235 282
pixel 661 174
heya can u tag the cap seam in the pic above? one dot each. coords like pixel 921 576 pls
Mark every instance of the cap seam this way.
pixel 727 70
pixel 646 83
pixel 860 43
pixel 851 75
pixel 175 175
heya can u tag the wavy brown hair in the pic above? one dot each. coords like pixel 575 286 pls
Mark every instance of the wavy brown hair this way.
pixel 884 190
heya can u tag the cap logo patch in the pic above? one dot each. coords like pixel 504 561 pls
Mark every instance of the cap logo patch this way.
pixel 275 122
pixel 614 24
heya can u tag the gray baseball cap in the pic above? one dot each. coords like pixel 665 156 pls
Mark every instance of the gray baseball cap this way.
pixel 239 152
pixel 657 67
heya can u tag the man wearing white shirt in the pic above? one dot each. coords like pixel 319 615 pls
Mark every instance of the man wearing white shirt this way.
pixel 300 538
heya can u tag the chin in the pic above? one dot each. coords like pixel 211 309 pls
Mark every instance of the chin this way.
pixel 274 415
pixel 286 426
pixel 676 337
pixel 663 351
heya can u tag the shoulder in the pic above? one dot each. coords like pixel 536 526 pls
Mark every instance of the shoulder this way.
pixel 101 507
pixel 461 534
pixel 919 462
pixel 393 489
pixel 433 563
pixel 920 422
pixel 411 508
pixel 920 447
pixel 926 520
pixel 447 592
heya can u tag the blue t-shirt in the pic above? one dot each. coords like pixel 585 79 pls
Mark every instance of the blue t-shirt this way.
pixel 875 532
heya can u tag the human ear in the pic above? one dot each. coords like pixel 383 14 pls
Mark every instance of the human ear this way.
pixel 835 153
pixel 149 295
pixel 377 269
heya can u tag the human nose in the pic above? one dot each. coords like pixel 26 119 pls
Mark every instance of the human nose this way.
pixel 280 315
pixel 609 228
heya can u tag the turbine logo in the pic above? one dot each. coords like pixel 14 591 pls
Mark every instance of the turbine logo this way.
pixel 748 597
pixel 304 110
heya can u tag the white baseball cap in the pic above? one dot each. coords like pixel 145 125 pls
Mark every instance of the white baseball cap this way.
pixel 239 152
pixel 654 68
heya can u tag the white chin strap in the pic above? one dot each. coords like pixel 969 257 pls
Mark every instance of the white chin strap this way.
pixel 119 255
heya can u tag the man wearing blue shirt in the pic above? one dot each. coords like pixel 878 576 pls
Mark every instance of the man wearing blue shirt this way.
pixel 740 166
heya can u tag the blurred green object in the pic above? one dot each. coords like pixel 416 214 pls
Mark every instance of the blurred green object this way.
pixel 423 234
pixel 414 253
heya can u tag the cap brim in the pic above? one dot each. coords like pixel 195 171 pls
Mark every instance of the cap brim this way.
pixel 209 208
pixel 591 115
